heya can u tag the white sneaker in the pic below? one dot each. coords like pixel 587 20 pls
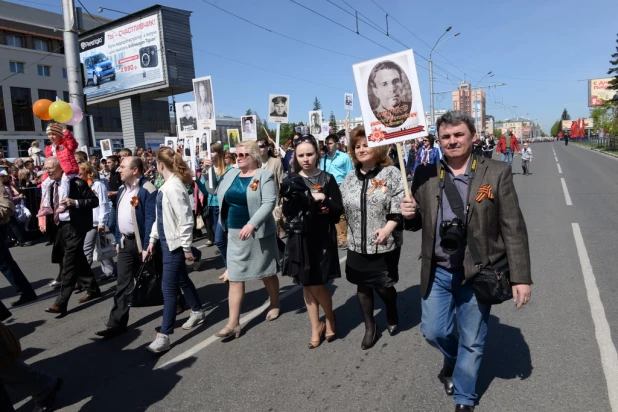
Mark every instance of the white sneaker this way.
pixel 196 318
pixel 54 284
pixel 160 344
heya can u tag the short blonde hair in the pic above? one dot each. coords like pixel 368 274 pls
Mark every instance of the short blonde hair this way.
pixel 87 167
pixel 253 150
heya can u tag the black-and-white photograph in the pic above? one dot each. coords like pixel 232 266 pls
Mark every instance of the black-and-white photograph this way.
pixel 186 116
pixel 315 123
pixel 390 98
pixel 249 127
pixel 279 107
pixel 170 142
pixel 205 102
pixel 205 141
pixel 348 101
pixel 106 147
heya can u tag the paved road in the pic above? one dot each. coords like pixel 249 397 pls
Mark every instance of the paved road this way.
pixel 545 357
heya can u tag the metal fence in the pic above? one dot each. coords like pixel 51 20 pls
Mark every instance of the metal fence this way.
pixel 607 143
pixel 32 200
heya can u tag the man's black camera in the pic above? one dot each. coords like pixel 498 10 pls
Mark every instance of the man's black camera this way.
pixel 452 234
pixel 148 56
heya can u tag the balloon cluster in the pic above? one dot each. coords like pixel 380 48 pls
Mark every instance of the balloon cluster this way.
pixel 61 112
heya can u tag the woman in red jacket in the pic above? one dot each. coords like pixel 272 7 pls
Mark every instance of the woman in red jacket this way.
pixel 508 151
pixel 63 146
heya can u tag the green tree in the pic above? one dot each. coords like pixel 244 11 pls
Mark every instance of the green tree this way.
pixel 316 104
pixel 497 133
pixel 332 122
pixel 556 127
pixel 248 112
pixel 606 117
pixel 613 84
pixel 543 134
pixel 565 115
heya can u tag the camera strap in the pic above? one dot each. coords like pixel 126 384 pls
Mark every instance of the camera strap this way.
pixel 457 206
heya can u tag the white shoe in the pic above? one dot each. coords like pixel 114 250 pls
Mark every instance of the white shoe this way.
pixel 54 284
pixel 196 318
pixel 160 344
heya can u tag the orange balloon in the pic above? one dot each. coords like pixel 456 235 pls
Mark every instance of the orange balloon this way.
pixel 41 109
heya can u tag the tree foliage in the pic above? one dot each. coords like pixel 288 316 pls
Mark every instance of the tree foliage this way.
pixel 613 84
pixel 565 115
pixel 248 112
pixel 497 133
pixel 555 128
pixel 606 117
pixel 332 122
pixel 316 104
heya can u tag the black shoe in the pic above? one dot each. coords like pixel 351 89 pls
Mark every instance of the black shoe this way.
pixel 446 377
pixel 464 408
pixel 23 299
pixel 111 332
pixel 47 404
pixel 392 324
pixel 392 329
pixel 48 244
pixel 370 337
pixel 22 244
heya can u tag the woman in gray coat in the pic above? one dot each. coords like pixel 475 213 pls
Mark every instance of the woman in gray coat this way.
pixel 246 202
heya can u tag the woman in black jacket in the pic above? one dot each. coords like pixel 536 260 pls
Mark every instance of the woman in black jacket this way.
pixel 312 205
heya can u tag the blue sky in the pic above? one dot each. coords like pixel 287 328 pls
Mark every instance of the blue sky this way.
pixel 536 47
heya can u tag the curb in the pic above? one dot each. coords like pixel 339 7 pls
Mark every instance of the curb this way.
pixel 597 150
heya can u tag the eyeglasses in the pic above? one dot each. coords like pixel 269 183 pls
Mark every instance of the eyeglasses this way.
pixel 243 155
pixel 261 146
pixel 305 139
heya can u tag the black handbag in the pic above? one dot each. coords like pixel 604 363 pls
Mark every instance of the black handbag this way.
pixel 492 284
pixel 145 288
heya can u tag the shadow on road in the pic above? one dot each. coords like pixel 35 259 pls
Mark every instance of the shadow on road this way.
pixel 507 355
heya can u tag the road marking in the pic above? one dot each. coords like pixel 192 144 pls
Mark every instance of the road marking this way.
pixel 559 168
pixel 243 320
pixel 556 157
pixel 609 356
pixel 566 192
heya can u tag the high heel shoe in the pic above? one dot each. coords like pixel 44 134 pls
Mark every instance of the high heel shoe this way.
pixel 370 339
pixel 228 332
pixel 315 343
pixel 333 336
pixel 392 329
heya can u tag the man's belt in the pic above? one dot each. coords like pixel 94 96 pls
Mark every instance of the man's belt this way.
pixel 129 236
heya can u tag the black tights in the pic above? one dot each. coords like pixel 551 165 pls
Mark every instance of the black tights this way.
pixel 366 300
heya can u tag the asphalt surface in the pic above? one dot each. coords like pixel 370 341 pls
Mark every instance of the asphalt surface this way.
pixel 544 357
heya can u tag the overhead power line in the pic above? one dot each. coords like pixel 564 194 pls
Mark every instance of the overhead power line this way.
pixel 90 14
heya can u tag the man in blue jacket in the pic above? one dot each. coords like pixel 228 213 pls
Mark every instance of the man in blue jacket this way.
pixel 136 210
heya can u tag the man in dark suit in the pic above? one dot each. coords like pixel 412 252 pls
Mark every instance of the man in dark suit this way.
pixel 71 226
pixel 498 229
pixel 137 212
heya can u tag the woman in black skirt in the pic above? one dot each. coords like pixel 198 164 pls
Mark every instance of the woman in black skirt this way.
pixel 372 196
pixel 312 205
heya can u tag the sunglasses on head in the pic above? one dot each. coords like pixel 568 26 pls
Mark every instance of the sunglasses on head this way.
pixel 261 146
pixel 242 155
pixel 304 139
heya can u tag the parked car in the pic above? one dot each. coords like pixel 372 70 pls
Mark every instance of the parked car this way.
pixel 98 68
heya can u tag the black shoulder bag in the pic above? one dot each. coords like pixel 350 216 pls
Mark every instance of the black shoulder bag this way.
pixel 145 287
pixel 491 285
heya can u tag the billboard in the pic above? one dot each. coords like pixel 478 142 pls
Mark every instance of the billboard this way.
pixel 598 92
pixel 123 58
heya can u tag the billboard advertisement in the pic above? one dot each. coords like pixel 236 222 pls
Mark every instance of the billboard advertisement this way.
pixel 123 58
pixel 598 92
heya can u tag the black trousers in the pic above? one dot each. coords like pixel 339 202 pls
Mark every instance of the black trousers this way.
pixel 129 261
pixel 10 269
pixel 69 253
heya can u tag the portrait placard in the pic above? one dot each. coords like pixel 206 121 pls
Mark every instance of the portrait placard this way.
pixel 390 98
pixel 348 101
pixel 233 138
pixel 315 123
pixel 278 107
pixel 249 130
pixel 186 118
pixel 106 148
pixel 204 103
pixel 325 130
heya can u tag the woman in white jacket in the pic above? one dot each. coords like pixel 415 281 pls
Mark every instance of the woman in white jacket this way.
pixel 99 218
pixel 174 229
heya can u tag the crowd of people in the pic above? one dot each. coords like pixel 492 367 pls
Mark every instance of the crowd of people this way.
pixel 318 197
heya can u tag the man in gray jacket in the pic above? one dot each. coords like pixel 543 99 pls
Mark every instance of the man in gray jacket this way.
pixel 497 226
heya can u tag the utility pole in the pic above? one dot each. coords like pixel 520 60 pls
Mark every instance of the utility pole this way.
pixel 74 70
pixel 431 104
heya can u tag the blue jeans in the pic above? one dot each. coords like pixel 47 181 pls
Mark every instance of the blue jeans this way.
pixel 174 276
pixel 220 237
pixel 507 157
pixel 111 220
pixel 462 348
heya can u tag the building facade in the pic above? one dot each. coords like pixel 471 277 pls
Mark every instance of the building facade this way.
pixel 471 102
pixel 489 124
pixel 352 123
pixel 522 127
pixel 32 67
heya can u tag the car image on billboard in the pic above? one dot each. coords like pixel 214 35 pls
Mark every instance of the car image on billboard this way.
pixel 98 68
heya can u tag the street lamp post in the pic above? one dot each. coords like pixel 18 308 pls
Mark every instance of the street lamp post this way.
pixel 431 104
pixel 100 10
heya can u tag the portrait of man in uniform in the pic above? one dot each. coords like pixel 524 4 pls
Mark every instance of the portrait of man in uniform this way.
pixel 279 108
pixel 188 121
pixel 389 93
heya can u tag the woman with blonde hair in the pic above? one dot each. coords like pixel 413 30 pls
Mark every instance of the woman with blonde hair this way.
pixel 372 196
pixel 100 215
pixel 35 153
pixel 173 228
pixel 246 201
pixel 215 165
